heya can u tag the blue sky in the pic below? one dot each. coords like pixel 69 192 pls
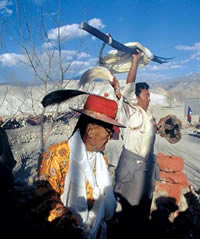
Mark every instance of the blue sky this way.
pixel 169 28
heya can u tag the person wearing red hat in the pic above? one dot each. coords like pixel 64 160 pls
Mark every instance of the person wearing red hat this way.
pixel 74 191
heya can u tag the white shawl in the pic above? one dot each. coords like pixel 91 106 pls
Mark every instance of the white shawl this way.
pixel 74 195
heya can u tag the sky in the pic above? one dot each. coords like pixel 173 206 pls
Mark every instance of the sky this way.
pixel 168 28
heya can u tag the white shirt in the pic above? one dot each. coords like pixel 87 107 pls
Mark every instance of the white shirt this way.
pixel 139 136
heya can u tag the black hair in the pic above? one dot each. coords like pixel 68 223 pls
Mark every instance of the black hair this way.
pixel 140 86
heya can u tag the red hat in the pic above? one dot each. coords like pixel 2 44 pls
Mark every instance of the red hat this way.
pixel 101 108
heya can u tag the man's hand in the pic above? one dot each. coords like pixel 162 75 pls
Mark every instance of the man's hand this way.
pixel 116 87
pixel 136 57
pixel 133 69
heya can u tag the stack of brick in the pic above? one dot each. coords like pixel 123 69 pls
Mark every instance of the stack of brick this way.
pixel 173 182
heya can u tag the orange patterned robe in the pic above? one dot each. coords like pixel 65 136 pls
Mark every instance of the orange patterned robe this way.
pixel 53 168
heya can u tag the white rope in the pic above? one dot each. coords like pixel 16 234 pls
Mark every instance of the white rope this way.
pixel 109 38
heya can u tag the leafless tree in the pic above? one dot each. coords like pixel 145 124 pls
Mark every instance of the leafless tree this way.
pixel 48 63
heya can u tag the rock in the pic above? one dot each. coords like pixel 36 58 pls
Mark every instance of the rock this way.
pixel 173 183
pixel 170 163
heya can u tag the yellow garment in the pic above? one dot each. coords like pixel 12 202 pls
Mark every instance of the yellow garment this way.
pixel 53 168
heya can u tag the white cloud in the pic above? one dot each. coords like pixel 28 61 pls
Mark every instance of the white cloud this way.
pixel 4 7
pixel 195 56
pixel 195 47
pixel 144 75
pixel 69 32
pixel 82 65
pixel 71 55
pixel 185 61
pixel 78 61
pixel 151 76
pixel 97 23
pixel 47 45
pixel 175 66
pixel 83 55
pixel 161 67
pixel 68 57
pixel 11 59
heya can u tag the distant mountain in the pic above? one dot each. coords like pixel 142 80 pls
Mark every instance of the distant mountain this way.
pixel 187 86
pixel 17 98
pixel 191 79
pixel 160 91
pixel 21 83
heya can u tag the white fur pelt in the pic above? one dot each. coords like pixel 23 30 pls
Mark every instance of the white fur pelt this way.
pixel 98 72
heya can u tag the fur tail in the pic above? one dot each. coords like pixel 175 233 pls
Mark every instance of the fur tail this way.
pixel 98 72
pixel 59 96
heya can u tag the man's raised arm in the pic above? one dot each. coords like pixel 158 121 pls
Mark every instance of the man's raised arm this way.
pixel 133 69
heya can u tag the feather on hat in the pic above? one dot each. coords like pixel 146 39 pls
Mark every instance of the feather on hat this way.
pixel 58 96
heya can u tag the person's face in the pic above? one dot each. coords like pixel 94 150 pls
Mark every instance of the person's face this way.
pixel 99 136
pixel 144 99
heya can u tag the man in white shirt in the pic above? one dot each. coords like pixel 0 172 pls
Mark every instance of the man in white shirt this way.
pixel 136 170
